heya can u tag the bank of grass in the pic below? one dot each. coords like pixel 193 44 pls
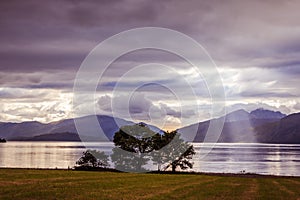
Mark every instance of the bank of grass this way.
pixel 64 184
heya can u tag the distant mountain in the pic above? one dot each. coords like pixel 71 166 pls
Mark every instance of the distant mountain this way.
pixel 286 130
pixel 266 114
pixel 64 130
pixel 74 137
pixel 261 116
pixel 14 131
pixel 238 115
pixel 241 126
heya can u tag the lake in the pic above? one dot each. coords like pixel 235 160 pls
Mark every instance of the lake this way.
pixel 275 159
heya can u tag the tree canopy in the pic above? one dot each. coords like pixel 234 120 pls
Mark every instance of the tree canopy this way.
pixel 132 143
pixel 171 151
pixel 138 144
pixel 93 159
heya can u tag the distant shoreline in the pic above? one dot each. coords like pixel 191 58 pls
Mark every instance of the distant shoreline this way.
pixel 110 170
pixel 263 143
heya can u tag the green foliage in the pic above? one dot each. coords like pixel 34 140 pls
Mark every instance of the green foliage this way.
pixel 172 152
pixel 132 142
pixel 137 144
pixel 128 161
pixel 93 159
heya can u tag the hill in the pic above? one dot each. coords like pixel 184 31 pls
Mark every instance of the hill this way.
pixel 286 130
pixel 64 130
pixel 260 125
pixel 61 129
pixel 70 137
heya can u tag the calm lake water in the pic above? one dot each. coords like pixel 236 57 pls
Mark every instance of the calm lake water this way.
pixel 276 159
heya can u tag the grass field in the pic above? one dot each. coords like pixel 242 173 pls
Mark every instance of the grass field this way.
pixel 63 184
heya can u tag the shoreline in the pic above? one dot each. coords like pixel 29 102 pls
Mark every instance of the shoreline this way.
pixel 110 170
pixel 195 142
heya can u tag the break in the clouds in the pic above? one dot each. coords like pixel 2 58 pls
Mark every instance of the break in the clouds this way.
pixel 255 44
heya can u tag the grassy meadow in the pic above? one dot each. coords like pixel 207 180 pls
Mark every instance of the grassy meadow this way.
pixel 64 184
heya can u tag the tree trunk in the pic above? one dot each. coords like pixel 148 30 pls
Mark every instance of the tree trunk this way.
pixel 173 168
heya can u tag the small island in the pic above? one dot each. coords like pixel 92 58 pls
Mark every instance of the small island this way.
pixel 2 140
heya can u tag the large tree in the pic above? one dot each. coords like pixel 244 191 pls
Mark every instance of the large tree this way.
pixel 132 144
pixel 137 144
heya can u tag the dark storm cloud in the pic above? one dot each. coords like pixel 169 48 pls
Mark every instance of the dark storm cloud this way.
pixel 38 35
pixel 263 94
pixel 169 111
pixel 98 13
pixel 138 104
pixel 285 65
pixel 292 69
pixel 46 79
pixel 43 43
pixel 50 85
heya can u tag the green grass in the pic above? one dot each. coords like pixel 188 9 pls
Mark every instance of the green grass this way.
pixel 63 184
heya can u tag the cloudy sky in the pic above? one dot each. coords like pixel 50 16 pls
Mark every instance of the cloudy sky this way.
pixel 255 44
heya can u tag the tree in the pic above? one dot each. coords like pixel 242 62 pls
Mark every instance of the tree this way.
pixel 132 144
pixel 183 160
pixel 172 151
pixel 2 140
pixel 93 159
pixel 137 144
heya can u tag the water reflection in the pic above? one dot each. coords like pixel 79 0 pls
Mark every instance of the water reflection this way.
pixel 228 158
pixel 39 154
pixel 253 158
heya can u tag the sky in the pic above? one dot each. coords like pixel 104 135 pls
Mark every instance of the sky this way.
pixel 255 45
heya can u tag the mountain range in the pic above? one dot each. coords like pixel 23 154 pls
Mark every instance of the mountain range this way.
pixel 263 126
pixel 64 130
